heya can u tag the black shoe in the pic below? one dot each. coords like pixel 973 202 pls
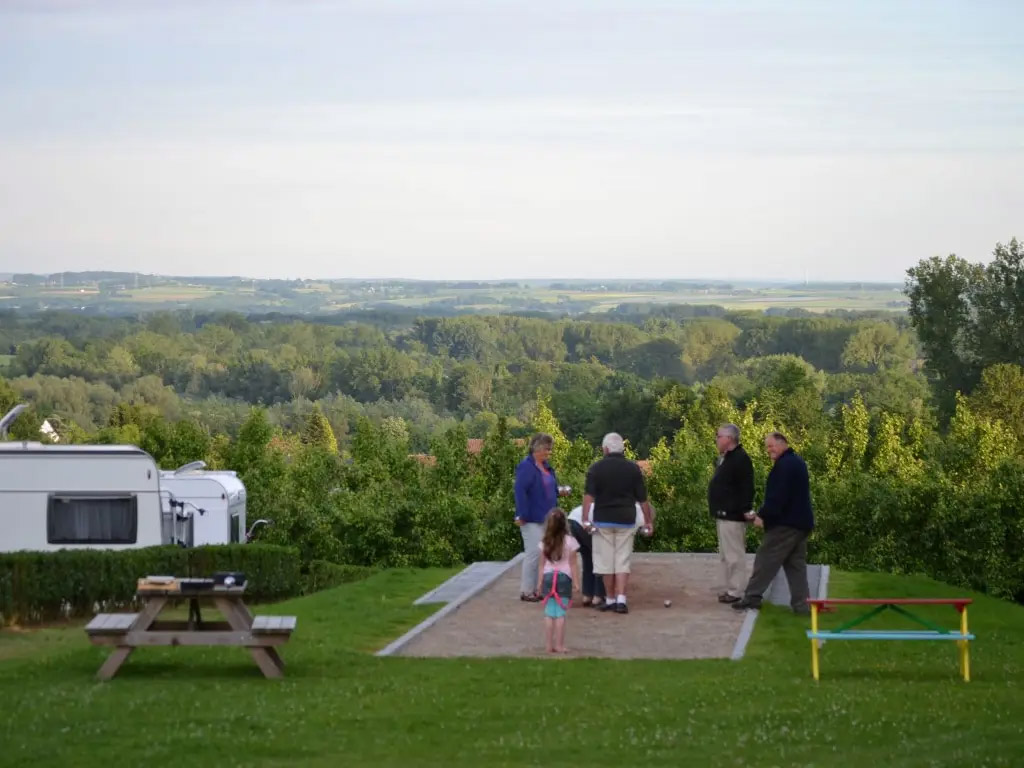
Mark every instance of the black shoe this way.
pixel 609 605
pixel 744 605
pixel 725 597
pixel 621 608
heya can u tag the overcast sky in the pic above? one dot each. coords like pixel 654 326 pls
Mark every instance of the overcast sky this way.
pixel 493 139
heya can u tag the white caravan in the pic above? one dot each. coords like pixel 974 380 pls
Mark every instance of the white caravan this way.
pixel 211 501
pixel 77 497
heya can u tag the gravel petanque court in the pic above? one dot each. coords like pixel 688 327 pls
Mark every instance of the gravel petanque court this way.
pixel 495 622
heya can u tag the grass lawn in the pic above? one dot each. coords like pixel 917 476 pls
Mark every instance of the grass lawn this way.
pixel 878 704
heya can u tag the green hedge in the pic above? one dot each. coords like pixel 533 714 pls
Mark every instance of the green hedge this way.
pixel 44 586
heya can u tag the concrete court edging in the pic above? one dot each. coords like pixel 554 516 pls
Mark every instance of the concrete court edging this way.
pixel 454 605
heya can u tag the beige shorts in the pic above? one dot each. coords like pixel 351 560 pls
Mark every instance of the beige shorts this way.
pixel 612 549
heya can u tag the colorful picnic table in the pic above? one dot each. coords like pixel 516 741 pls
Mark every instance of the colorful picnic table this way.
pixel 932 631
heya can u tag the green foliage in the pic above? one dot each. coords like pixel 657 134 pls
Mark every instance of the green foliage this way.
pixel 848 443
pixel 968 316
pixel 1000 396
pixel 44 586
pixel 544 421
pixel 318 432
pixel 8 397
pixel 876 346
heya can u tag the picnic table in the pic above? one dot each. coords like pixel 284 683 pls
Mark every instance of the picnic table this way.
pixel 260 635
pixel 932 631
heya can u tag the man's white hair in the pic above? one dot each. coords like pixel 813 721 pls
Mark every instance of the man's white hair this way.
pixel 613 443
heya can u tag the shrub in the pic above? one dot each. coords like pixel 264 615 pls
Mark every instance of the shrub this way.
pixel 44 586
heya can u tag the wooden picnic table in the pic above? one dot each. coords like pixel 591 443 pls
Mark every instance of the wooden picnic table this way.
pixel 127 631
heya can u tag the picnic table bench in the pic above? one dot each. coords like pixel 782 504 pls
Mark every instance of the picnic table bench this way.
pixel 127 631
pixel 932 631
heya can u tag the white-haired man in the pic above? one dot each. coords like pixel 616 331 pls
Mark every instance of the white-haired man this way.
pixel 613 488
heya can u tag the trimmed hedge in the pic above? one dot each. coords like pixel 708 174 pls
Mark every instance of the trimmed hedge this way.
pixel 46 586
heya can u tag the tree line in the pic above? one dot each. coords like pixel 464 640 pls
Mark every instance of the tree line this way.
pixel 433 373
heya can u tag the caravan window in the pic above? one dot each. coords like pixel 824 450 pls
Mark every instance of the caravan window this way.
pixel 92 520
pixel 236 533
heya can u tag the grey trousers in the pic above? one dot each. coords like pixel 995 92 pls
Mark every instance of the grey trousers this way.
pixel 784 548
pixel 532 534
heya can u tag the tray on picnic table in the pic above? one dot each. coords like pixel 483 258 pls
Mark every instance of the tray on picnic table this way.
pixel 165 585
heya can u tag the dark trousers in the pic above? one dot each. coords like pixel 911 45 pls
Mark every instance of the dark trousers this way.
pixel 784 548
pixel 592 586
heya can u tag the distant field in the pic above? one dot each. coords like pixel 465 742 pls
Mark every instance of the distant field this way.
pixel 603 296
pixel 321 296
pixel 600 301
pixel 418 301
pixel 169 293
pixel 5 361
pixel 69 292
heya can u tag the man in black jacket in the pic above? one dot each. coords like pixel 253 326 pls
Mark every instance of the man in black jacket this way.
pixel 787 519
pixel 731 502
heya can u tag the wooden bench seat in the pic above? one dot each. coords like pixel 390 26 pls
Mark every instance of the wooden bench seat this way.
pixel 111 623
pixel 273 625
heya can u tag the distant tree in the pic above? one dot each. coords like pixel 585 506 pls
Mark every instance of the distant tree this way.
pixel 544 420
pixel 304 382
pixel 707 343
pixel 998 304
pixel 876 346
pixel 317 431
pixel 968 316
pixel 940 310
pixel 395 428
pixel 1001 396
pixel 8 397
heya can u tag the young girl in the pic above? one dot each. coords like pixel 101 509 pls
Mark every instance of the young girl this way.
pixel 557 576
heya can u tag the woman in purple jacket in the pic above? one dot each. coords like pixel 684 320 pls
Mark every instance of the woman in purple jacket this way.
pixel 536 490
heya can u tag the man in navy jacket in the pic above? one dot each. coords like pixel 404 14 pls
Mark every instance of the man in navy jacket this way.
pixel 787 519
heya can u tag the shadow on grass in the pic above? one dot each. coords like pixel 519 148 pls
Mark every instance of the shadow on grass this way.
pixel 190 671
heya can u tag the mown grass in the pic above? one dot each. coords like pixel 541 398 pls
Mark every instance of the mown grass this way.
pixel 878 704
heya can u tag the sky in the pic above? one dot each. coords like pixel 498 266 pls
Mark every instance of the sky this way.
pixel 491 139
